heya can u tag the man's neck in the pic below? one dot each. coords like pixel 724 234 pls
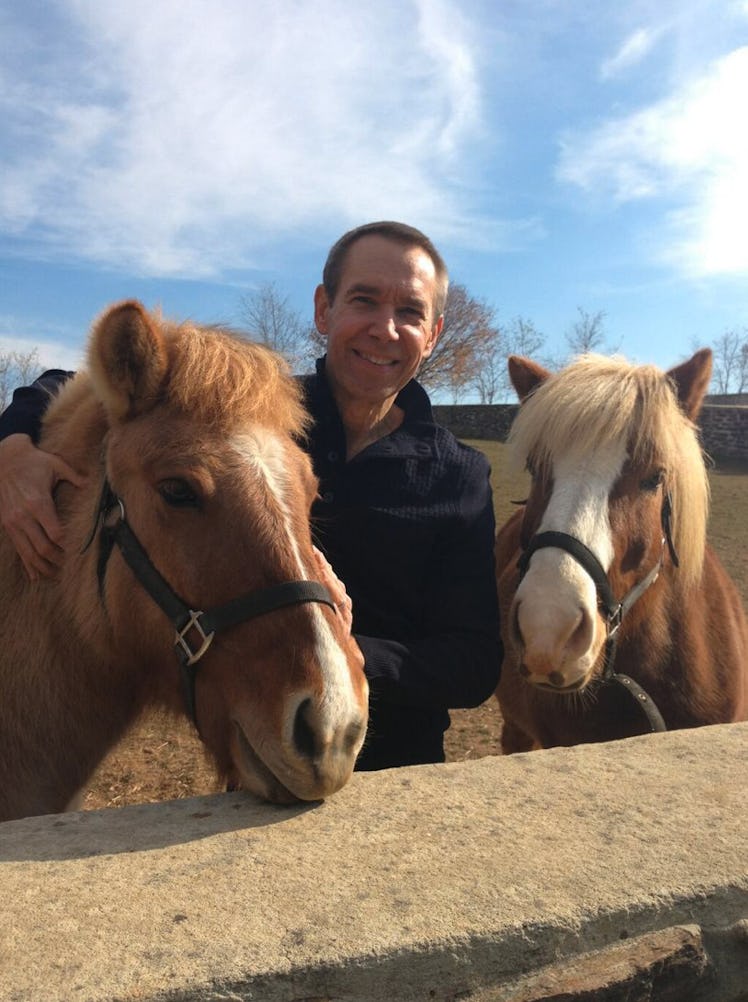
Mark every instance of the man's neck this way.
pixel 366 422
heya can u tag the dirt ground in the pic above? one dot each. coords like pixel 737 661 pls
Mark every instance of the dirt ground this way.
pixel 162 758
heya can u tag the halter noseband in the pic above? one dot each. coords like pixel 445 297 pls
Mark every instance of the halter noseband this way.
pixel 187 621
pixel 613 609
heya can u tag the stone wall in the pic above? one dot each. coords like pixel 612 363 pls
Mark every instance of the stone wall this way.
pixel 724 429
pixel 601 872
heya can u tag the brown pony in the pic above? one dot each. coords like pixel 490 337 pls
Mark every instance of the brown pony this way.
pixel 617 617
pixel 192 536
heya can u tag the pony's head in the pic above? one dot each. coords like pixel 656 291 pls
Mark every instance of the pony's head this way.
pixel 201 451
pixel 616 464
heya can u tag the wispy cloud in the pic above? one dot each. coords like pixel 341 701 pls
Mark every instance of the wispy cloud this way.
pixel 49 353
pixel 633 51
pixel 174 137
pixel 690 151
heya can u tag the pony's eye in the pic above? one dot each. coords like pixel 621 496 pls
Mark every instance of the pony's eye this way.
pixel 653 482
pixel 178 493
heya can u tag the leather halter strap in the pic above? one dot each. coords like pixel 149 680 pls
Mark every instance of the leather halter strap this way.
pixel 191 625
pixel 614 610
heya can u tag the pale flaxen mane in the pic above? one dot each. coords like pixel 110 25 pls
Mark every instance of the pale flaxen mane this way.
pixel 224 379
pixel 595 403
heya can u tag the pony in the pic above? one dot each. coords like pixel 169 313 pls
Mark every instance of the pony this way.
pixel 617 617
pixel 191 536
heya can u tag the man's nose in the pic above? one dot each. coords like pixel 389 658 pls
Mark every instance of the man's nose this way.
pixel 385 326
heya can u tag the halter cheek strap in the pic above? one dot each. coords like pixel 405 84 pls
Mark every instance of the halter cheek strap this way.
pixel 195 629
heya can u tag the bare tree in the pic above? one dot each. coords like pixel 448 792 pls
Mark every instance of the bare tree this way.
pixel 272 321
pixel 587 333
pixel 491 376
pixel 469 328
pixel 17 368
pixel 523 338
pixel 730 372
pixel 490 373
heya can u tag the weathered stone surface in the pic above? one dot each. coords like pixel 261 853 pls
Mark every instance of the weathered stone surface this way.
pixel 435 882
pixel 669 965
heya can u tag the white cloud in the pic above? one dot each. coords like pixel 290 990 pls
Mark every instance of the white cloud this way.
pixel 689 150
pixel 635 48
pixel 172 137
pixel 51 354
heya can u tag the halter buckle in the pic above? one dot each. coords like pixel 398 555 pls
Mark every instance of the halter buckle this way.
pixel 185 652
pixel 614 620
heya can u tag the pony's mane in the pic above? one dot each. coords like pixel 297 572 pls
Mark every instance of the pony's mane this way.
pixel 225 380
pixel 597 402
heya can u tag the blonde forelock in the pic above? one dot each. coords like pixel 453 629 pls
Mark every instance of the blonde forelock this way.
pixel 596 403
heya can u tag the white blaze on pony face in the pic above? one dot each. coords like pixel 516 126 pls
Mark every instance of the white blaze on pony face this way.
pixel 554 615
pixel 331 719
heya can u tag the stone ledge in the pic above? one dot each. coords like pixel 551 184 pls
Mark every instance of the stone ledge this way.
pixel 436 882
pixel 670 965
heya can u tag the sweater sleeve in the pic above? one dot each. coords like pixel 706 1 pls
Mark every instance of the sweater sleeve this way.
pixel 25 412
pixel 456 661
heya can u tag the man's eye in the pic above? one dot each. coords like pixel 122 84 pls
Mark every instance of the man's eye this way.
pixel 178 493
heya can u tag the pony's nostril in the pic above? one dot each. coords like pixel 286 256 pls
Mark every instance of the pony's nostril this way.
pixel 303 733
pixel 582 636
pixel 353 735
pixel 515 627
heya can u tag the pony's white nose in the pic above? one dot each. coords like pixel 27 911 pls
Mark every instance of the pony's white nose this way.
pixel 554 643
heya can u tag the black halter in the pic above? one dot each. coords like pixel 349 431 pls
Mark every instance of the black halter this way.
pixel 188 623
pixel 613 610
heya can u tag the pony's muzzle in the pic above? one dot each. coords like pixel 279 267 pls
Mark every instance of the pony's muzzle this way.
pixel 317 739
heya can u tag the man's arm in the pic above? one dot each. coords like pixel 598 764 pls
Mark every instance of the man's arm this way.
pixel 25 412
pixel 28 476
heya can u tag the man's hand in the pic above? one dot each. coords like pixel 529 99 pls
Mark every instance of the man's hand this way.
pixel 28 476
pixel 335 586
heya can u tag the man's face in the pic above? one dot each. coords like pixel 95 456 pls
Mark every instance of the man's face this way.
pixel 381 324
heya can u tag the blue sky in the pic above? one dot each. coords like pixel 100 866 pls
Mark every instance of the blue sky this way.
pixel 561 153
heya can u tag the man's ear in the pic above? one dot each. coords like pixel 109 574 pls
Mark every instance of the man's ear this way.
pixel 321 309
pixel 435 333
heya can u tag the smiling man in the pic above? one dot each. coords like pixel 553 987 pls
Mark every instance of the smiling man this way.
pixel 404 512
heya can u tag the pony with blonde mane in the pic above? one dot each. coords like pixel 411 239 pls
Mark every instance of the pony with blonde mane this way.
pixel 617 617
pixel 189 580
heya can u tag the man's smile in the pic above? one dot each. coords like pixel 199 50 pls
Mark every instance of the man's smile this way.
pixel 374 359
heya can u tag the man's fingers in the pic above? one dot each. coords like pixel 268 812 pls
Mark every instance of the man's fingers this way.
pixel 40 556
pixel 35 565
pixel 343 603
pixel 48 529
pixel 64 471
pixel 48 548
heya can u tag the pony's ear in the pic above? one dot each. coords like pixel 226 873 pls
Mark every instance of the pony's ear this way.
pixel 127 360
pixel 691 380
pixel 525 375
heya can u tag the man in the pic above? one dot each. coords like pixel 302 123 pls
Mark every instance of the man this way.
pixel 404 513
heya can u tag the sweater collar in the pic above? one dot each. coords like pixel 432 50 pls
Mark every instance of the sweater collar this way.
pixel 416 436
